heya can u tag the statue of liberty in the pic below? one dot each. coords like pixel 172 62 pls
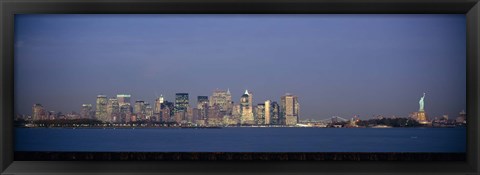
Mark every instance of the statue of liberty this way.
pixel 422 103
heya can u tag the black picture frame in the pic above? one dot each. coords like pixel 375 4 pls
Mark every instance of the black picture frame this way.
pixel 8 8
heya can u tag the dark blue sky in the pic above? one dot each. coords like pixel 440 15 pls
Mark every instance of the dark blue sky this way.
pixel 336 64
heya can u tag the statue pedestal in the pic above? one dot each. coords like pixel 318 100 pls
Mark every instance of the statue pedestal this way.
pixel 421 116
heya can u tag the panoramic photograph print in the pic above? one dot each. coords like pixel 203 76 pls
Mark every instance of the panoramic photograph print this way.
pixel 236 83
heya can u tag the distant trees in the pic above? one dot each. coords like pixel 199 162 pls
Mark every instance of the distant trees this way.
pixel 67 122
pixel 393 122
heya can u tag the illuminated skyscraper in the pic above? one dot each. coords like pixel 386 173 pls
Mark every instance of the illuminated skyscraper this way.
pixel 181 102
pixel 290 109
pixel 167 112
pixel 101 108
pixel 86 111
pixel 140 107
pixel 246 108
pixel 125 113
pixel 148 111
pixel 260 114
pixel 189 115
pixel 123 99
pixel 140 110
pixel 268 112
pixel 214 116
pixel 223 99
pixel 158 104
pixel 38 112
pixel 113 109
pixel 275 114
pixel 202 102
pixel 202 108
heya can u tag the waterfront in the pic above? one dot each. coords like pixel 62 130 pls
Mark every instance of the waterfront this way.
pixel 441 140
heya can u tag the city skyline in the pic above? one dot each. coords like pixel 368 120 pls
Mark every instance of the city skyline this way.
pixel 340 65
pixel 209 101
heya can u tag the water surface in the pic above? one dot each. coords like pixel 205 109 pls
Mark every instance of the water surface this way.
pixel 242 140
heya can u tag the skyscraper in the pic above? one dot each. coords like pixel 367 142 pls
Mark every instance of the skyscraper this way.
pixel 148 111
pixel 290 109
pixel 202 102
pixel 214 116
pixel 167 111
pixel 140 107
pixel 113 109
pixel 86 111
pixel 181 106
pixel 125 113
pixel 123 99
pixel 236 115
pixel 125 107
pixel 158 104
pixel 181 102
pixel 261 114
pixel 275 114
pixel 268 112
pixel 38 112
pixel 246 108
pixel 101 108
pixel 223 99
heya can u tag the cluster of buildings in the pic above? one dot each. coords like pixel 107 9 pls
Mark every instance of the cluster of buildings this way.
pixel 215 110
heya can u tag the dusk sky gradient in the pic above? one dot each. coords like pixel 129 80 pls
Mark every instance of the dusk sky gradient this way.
pixel 340 65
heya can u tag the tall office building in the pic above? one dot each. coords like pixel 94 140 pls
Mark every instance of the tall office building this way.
pixel 140 107
pixel 86 111
pixel 214 116
pixel 223 99
pixel 181 102
pixel 275 118
pixel 167 112
pixel 290 109
pixel 260 114
pixel 123 99
pixel 140 110
pixel 236 115
pixel 113 109
pixel 202 108
pixel 202 102
pixel 38 112
pixel 165 115
pixel 125 113
pixel 246 108
pixel 158 104
pixel 101 108
pixel 148 111
pixel 189 115
pixel 268 112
